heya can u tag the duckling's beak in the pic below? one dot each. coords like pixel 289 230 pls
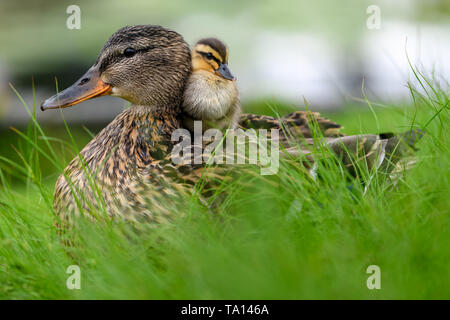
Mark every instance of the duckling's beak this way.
pixel 225 72
pixel 89 86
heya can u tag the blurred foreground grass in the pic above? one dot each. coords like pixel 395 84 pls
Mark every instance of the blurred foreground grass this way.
pixel 279 237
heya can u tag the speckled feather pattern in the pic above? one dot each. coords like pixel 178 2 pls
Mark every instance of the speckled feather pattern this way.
pixel 292 127
pixel 129 163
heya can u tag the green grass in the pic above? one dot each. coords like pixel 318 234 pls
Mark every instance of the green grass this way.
pixel 278 237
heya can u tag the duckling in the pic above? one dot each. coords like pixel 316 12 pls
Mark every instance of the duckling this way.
pixel 211 94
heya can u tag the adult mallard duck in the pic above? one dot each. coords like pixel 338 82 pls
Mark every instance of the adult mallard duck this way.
pixel 126 170
pixel 148 66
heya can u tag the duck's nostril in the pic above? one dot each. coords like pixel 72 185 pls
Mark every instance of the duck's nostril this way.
pixel 83 81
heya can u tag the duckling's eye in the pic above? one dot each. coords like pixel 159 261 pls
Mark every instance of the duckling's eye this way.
pixel 129 52
pixel 209 55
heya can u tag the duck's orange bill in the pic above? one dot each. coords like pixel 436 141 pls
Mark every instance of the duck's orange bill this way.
pixel 89 86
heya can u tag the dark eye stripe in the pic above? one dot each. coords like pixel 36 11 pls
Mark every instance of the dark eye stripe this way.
pixel 205 54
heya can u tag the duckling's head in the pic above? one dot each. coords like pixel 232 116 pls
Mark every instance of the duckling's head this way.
pixel 211 54
pixel 146 65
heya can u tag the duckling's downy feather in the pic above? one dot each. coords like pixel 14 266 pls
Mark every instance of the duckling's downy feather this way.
pixel 211 94
pixel 212 100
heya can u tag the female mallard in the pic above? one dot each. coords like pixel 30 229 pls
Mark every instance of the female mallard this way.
pixel 126 170
pixel 148 66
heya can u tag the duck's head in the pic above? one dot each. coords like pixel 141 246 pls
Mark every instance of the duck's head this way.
pixel 146 65
pixel 211 54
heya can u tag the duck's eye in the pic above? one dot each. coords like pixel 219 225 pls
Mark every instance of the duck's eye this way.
pixel 209 55
pixel 129 52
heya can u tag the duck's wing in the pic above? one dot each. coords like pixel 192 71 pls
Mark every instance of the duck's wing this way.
pixel 383 152
pixel 294 126
pixel 387 152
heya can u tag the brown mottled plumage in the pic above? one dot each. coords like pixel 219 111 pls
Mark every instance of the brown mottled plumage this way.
pixel 299 132
pixel 294 126
pixel 126 169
